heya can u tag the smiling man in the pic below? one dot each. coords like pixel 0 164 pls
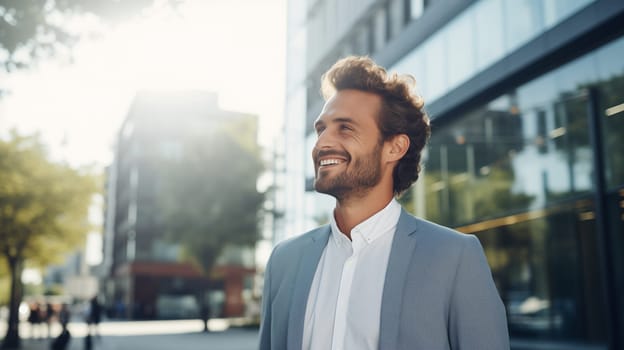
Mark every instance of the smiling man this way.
pixel 376 277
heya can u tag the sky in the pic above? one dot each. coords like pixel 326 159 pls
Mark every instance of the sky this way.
pixel 235 48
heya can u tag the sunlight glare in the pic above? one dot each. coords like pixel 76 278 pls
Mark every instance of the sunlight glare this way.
pixel 234 48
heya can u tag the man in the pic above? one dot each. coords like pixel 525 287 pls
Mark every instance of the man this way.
pixel 376 277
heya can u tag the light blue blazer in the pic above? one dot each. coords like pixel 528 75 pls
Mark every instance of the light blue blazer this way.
pixel 438 292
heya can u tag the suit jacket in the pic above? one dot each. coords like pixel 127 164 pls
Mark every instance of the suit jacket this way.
pixel 438 291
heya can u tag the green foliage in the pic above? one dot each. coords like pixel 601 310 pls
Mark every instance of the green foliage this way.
pixel 493 195
pixel 473 198
pixel 38 27
pixel 43 205
pixel 210 199
pixel 55 289
pixel 43 213
pixel 4 283
pixel 33 289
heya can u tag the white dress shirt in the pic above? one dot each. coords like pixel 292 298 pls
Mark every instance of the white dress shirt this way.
pixel 344 304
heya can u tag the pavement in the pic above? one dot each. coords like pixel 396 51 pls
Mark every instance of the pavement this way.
pixel 148 335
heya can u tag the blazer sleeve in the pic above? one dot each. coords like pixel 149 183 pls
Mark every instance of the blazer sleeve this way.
pixel 477 317
pixel 265 317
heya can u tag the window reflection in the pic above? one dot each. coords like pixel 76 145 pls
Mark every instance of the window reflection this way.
pixel 615 208
pixel 503 158
pixel 611 95
pixel 519 173
pixel 610 90
pixel 544 265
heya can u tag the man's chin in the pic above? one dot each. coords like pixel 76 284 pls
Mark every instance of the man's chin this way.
pixel 332 190
pixel 322 188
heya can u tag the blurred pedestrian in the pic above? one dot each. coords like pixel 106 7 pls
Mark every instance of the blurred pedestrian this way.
pixel 34 319
pixel 62 341
pixel 94 316
pixel 48 315
pixel 88 342
pixel 64 316
pixel 205 314
pixel 120 309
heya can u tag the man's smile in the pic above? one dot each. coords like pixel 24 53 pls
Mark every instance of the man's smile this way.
pixel 327 158
pixel 330 161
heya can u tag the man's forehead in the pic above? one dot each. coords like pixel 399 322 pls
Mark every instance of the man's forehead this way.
pixel 350 104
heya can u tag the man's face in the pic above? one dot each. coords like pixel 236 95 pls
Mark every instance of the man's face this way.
pixel 347 153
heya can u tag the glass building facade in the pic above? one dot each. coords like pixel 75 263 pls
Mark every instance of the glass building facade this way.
pixel 525 172
pixel 527 105
pixel 484 33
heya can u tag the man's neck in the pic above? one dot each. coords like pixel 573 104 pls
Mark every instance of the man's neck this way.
pixel 350 212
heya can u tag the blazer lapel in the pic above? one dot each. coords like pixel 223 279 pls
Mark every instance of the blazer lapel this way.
pixel 401 253
pixel 311 254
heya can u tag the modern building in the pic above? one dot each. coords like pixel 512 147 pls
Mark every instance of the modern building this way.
pixel 74 279
pixel 146 275
pixel 526 99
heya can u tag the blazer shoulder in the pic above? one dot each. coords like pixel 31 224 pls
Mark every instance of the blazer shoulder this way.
pixel 293 245
pixel 431 231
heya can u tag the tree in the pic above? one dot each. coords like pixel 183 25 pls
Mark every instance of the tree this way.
pixel 212 201
pixel 210 198
pixel 43 213
pixel 4 283
pixel 35 29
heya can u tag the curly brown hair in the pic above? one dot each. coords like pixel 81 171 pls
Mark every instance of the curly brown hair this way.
pixel 402 110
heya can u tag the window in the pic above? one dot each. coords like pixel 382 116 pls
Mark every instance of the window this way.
pixel 461 42
pixel 611 105
pixel 379 29
pixel 435 60
pixel 489 32
pixel 518 172
pixel 557 10
pixel 523 21
pixel 396 17
pixel 547 273
pixel 417 7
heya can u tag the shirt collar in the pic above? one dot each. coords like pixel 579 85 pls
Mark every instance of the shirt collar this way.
pixel 382 222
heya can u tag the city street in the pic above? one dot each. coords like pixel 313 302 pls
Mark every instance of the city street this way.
pixel 150 335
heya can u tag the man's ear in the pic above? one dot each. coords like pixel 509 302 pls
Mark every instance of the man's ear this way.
pixel 399 144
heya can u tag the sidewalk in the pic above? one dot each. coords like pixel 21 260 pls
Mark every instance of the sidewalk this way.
pixel 233 339
pixel 152 335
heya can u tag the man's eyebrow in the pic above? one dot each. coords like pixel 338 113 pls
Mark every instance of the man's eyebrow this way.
pixel 344 120
pixel 347 120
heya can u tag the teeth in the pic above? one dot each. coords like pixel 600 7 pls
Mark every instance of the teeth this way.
pixel 330 161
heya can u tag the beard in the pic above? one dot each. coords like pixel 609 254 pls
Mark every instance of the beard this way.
pixel 363 174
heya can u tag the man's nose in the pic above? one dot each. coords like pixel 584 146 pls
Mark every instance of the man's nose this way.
pixel 325 139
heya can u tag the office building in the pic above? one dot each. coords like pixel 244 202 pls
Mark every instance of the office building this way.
pixel 147 274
